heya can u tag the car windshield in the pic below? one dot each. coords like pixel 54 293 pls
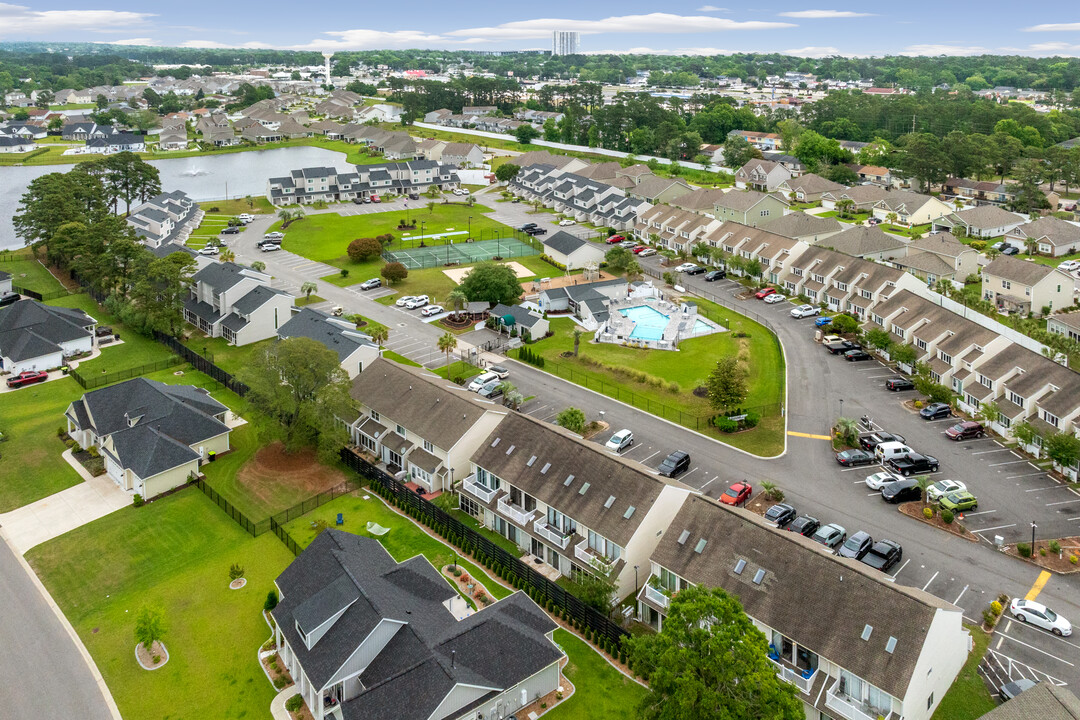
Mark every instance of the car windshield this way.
pixel 824 533
pixel 668 462
pixel 1050 614
pixel 853 543
pixel 731 492
pixel 617 437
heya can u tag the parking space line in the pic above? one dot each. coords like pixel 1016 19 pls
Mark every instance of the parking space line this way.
pixel 996 527
pixel 1040 583
pixel 1032 647
pixel 983 452
pixel 708 483
pixel 929 581
pixel 809 435
pixel 1009 462
pixel 1013 477
pixel 901 568
pixel 539 409
pixel 981 512
pixel 1017 454
pixel 688 474
pixel 654 454
pixel 1052 487
pixel 1063 502
pixel 957 600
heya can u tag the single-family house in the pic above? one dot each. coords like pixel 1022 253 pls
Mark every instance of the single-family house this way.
pixel 572 252
pixel 117 142
pixel 763 175
pixel 524 319
pixel 762 141
pixel 940 256
pixel 173 138
pixel 910 208
pixel 355 350
pixel 875 174
pixel 15 143
pixel 460 154
pixel 364 636
pixel 1046 236
pixel 749 207
pixel 153 436
pixel 588 302
pixel 863 197
pixel 1067 324
pixel 868 242
pixel 237 303
pixel 982 221
pixel 1020 286
pixel 657 189
pixel 808 188
pixel 35 336
pixel 811 229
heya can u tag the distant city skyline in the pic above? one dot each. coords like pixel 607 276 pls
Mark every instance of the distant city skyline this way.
pixel 565 42
pixel 919 28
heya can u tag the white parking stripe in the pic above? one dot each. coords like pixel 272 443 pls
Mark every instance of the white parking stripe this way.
pixel 983 452
pixel 1013 477
pixel 1052 487
pixel 654 454
pixel 901 568
pixel 957 600
pixel 996 527
pixel 929 581
pixel 1064 502
pixel 981 512
pixel 1010 462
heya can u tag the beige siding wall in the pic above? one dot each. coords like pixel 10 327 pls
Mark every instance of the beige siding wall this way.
pixel 165 481
pixel 944 653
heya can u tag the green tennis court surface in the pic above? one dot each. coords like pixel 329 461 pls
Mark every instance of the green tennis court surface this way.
pixel 460 252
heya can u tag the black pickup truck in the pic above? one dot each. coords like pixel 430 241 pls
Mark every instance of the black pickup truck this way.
pixel 840 347
pixel 914 464
pixel 883 555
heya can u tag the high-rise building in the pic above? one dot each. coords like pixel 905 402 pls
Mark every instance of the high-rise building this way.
pixel 565 43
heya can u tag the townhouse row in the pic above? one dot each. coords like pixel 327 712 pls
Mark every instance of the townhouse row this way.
pixel 327 184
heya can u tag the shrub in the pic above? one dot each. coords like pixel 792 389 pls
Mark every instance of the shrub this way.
pixel 918 404
pixel 1024 549
pixel 1074 559
pixel 93 452
pixel 751 420
pixel 988 618
pixel 671 386
pixel 1042 552
pixel 726 425
pixel 928 512
pixel 236 572
pixel 137 501
pixel 69 443
pixel 61 431
pixel 456 572
pixel 293 704
pixel 280 682
pixel 271 601
pixel 1055 547
pixel 947 516
pixel 344 272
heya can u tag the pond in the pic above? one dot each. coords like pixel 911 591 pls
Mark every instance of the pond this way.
pixel 210 177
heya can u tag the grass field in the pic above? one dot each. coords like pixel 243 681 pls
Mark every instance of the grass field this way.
pixel 135 351
pixel 236 206
pixel 29 419
pixel 174 553
pixel 231 358
pixel 405 539
pixel 28 273
pixel 689 367
pixel 968 697
pixel 600 691
pixel 400 359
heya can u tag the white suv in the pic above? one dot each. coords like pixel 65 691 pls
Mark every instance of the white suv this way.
pixel 804 311
pixel 481 380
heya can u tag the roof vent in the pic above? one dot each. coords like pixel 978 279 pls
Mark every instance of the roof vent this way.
pixel 700 546
pixel 740 566
pixel 629 512
pixel 759 576
pixel 510 449
pixel 495 442
pixel 866 632
pixel 683 537
pixel 543 470
pixel 891 645
pixel 610 501
pixel 531 461
pixel 583 489
pixel 569 479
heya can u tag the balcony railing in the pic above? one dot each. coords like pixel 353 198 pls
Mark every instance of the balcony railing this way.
pixel 846 706
pixel 597 562
pixel 793 676
pixel 476 489
pixel 552 534
pixel 518 515
pixel 656 596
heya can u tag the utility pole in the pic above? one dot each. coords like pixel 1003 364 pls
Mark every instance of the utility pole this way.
pixel 913 123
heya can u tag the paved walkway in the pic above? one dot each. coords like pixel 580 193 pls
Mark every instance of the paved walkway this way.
pixel 66 510
pixel 277 705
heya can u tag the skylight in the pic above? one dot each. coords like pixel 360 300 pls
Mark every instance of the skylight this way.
pixel 569 479
pixel 543 470
pixel 683 537
pixel 531 461
pixel 700 546
pixel 629 512
pixel 495 442
pixel 866 632
pixel 610 501
pixel 891 645
pixel 510 449
pixel 583 489
pixel 740 566
pixel 759 576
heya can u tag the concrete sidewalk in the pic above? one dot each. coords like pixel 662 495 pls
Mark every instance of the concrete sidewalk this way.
pixel 66 510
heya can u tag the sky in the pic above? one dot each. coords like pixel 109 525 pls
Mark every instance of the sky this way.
pixel 810 28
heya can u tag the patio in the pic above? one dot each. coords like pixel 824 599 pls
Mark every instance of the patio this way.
pixel 421 492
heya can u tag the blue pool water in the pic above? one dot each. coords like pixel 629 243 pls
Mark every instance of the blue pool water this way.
pixel 702 327
pixel 649 323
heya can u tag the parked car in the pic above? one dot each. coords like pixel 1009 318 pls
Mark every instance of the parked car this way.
pixel 966 430
pixel 856 546
pixel 674 464
pixel 414 196
pixel 897 384
pixel 853 458
pixel 781 514
pixel 883 554
pixel 367 200
pixel 869 441
pixel 697 270
pixel 6 298
pixel 481 380
pixel 830 535
pixel 1069 265
pixel 822 322
pixel 491 390
pixel 430 310
pixel 566 223
pixel 403 300
pixel 914 464
pixel 417 302
pixel 628 244
pixel 1039 615
pixel 371 284
pixel 941 488
pixel 1010 250
pixel 231 230
pixel 358 201
pixel 612 239
pixel 526 227
pixel 501 372
pixel 764 293
pixel 804 311
pixel 959 501
pixel 935 411
pixel 684 267
pixel 805 525
pixel 899 491
pixel 620 441
pixel 269 247
pixel 208 250
pixel 775 298
pixel 856 355
pixel 376 199
pixel 842 346
pixel 1011 689
pixel 873 221
pixel 536 231
pixel 714 275
pixel 638 248
pixel 270 241
pixel 27 377
pixel 647 252
pixel 245 218
pixel 737 494
pixel 272 235
pixel 879 480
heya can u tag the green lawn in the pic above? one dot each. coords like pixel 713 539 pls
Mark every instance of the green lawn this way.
pixel 600 691
pixel 30 456
pixel 471 522
pixel 1041 259
pixel 135 351
pixel 174 553
pixel 689 367
pixel 311 299
pixel 28 273
pixel 858 217
pixel 401 359
pixel 405 539
pixel 230 208
pixel 230 358
pixel 461 369
pixel 968 697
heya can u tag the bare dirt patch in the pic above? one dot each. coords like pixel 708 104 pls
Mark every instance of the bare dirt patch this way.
pixel 272 473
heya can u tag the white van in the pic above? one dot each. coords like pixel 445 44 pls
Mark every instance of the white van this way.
pixel 891 451
pixel 481 380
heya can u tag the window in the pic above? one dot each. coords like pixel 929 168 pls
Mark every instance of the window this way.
pixel 868 295
pixel 400 430
pixel 945 356
pixel 985 381
pixel 930 701
pixel 1006 284
pixel 429 447
pixel 764 213
pixel 920 343
pixel 1052 419
pixel 487 480
pixel 668 579
pixel 1013 397
pixel 374 416
pixel 841 286
pixel 1004 421
pixel 797 272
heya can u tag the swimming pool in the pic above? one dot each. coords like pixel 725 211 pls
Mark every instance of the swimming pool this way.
pixel 649 323
pixel 702 327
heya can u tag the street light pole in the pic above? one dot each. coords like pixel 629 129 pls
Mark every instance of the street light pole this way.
pixel 635 581
pixel 841 407
pixel 470 227
pixel 1033 526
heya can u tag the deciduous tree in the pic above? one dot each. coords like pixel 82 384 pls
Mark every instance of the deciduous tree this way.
pixel 491 282
pixel 726 383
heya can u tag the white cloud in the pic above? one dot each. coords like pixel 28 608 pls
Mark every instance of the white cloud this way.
pixel 129 41
pixel 650 23
pixel 933 50
pixel 1043 49
pixel 1053 27
pixel 712 8
pixel 819 14
pixel 655 51
pixel 813 51
pixel 215 45
pixel 17 20
pixel 378 39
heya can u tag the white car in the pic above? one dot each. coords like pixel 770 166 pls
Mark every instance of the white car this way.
pixel 402 301
pixel 805 311
pixel 775 298
pixel 417 302
pixel 647 252
pixel 879 480
pixel 684 267
pixel 566 223
pixel 269 247
pixel 620 441
pixel 457 191
pixel 245 218
pixel 1069 265
pixel 1029 611
pixel 432 310
pixel 208 250
pixel 942 488
pixel 481 380
pixel 272 235
pixel 464 192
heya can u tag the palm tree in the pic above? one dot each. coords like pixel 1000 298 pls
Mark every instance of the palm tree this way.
pixel 307 288
pixel 227 255
pixel 924 481
pixel 298 214
pixel 578 332
pixel 258 266
pixel 844 206
pixel 379 334
pixel 892 218
pixel 847 431
pixel 431 206
pixel 447 343
pixel 285 215
pixel 633 271
pixel 457 300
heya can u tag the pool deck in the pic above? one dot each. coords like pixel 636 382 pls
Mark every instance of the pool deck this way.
pixel 628 318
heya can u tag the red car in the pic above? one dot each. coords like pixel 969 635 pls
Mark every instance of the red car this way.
pixel 762 294
pixel 737 494
pixel 29 377
pixel 638 249
pixel 615 239
pixel 376 199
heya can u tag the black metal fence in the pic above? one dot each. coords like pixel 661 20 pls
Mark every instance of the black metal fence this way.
pixel 201 364
pixel 48 295
pixel 278 521
pixel 255 529
pixel 89 382
pixel 545 592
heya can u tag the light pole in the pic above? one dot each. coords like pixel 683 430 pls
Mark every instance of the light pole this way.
pixel 841 407
pixel 470 227
pixel 635 581
pixel 1033 526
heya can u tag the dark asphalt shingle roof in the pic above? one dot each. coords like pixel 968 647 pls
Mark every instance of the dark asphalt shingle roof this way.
pixel 564 243
pixel 30 329
pixel 220 275
pixel 318 326
pixel 1045 701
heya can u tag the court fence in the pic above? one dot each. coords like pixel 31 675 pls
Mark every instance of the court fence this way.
pixel 461 253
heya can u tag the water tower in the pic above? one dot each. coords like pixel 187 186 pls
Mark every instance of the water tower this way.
pixel 326 61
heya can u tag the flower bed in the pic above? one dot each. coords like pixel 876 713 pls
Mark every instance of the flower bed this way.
pixel 467 586
pixel 1056 559
pixel 917 510
pixel 277 672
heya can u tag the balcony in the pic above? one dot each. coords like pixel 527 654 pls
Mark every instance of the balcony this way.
pixel 847 707
pixel 657 597
pixel 585 554
pixel 796 677
pixel 552 534
pixel 477 490
pixel 519 515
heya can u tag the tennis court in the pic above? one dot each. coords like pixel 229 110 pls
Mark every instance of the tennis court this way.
pixel 460 252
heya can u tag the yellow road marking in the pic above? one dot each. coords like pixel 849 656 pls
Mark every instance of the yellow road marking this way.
pixel 1040 583
pixel 809 435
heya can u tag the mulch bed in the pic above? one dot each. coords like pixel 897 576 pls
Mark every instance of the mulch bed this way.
pixel 94 466
pixel 237 583
pixel 594 428
pixel 915 510
pixel 146 657
pixel 277 672
pixel 1051 561
pixel 467 587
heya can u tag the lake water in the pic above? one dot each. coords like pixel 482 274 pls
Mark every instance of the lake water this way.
pixel 211 177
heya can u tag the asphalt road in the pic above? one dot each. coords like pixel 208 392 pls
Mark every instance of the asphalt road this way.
pixel 44 676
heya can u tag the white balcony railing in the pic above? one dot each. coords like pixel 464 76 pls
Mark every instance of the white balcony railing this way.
pixel 844 705
pixel 656 596
pixel 477 490
pixel 794 676
pixel 518 515
pixel 553 535
pixel 581 552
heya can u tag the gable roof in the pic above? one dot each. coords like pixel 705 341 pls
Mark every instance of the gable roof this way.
pixel 30 329
pixel 221 275
pixel 1045 701
pixel 812 184
pixel 910 201
pixel 321 327
pixel 1054 230
pixel 800 224
pixel 744 200
pixel 862 240
pixel 987 217
pixel 563 242
pixel 1021 271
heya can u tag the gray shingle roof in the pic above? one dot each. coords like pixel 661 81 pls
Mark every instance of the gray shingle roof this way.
pixel 740 200
pixel 30 329
pixel 220 275
pixel 256 298
pixel 563 242
pixel 799 224
pixel 861 240
pixel 1020 271
pixel 1045 701
pixel 318 326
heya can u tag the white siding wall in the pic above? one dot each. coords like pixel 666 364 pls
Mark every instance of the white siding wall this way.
pixel 81 345
pixel 944 653
pixel 265 321
pixel 43 362
pixel 644 542
pixel 540 684
pixel 369 649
